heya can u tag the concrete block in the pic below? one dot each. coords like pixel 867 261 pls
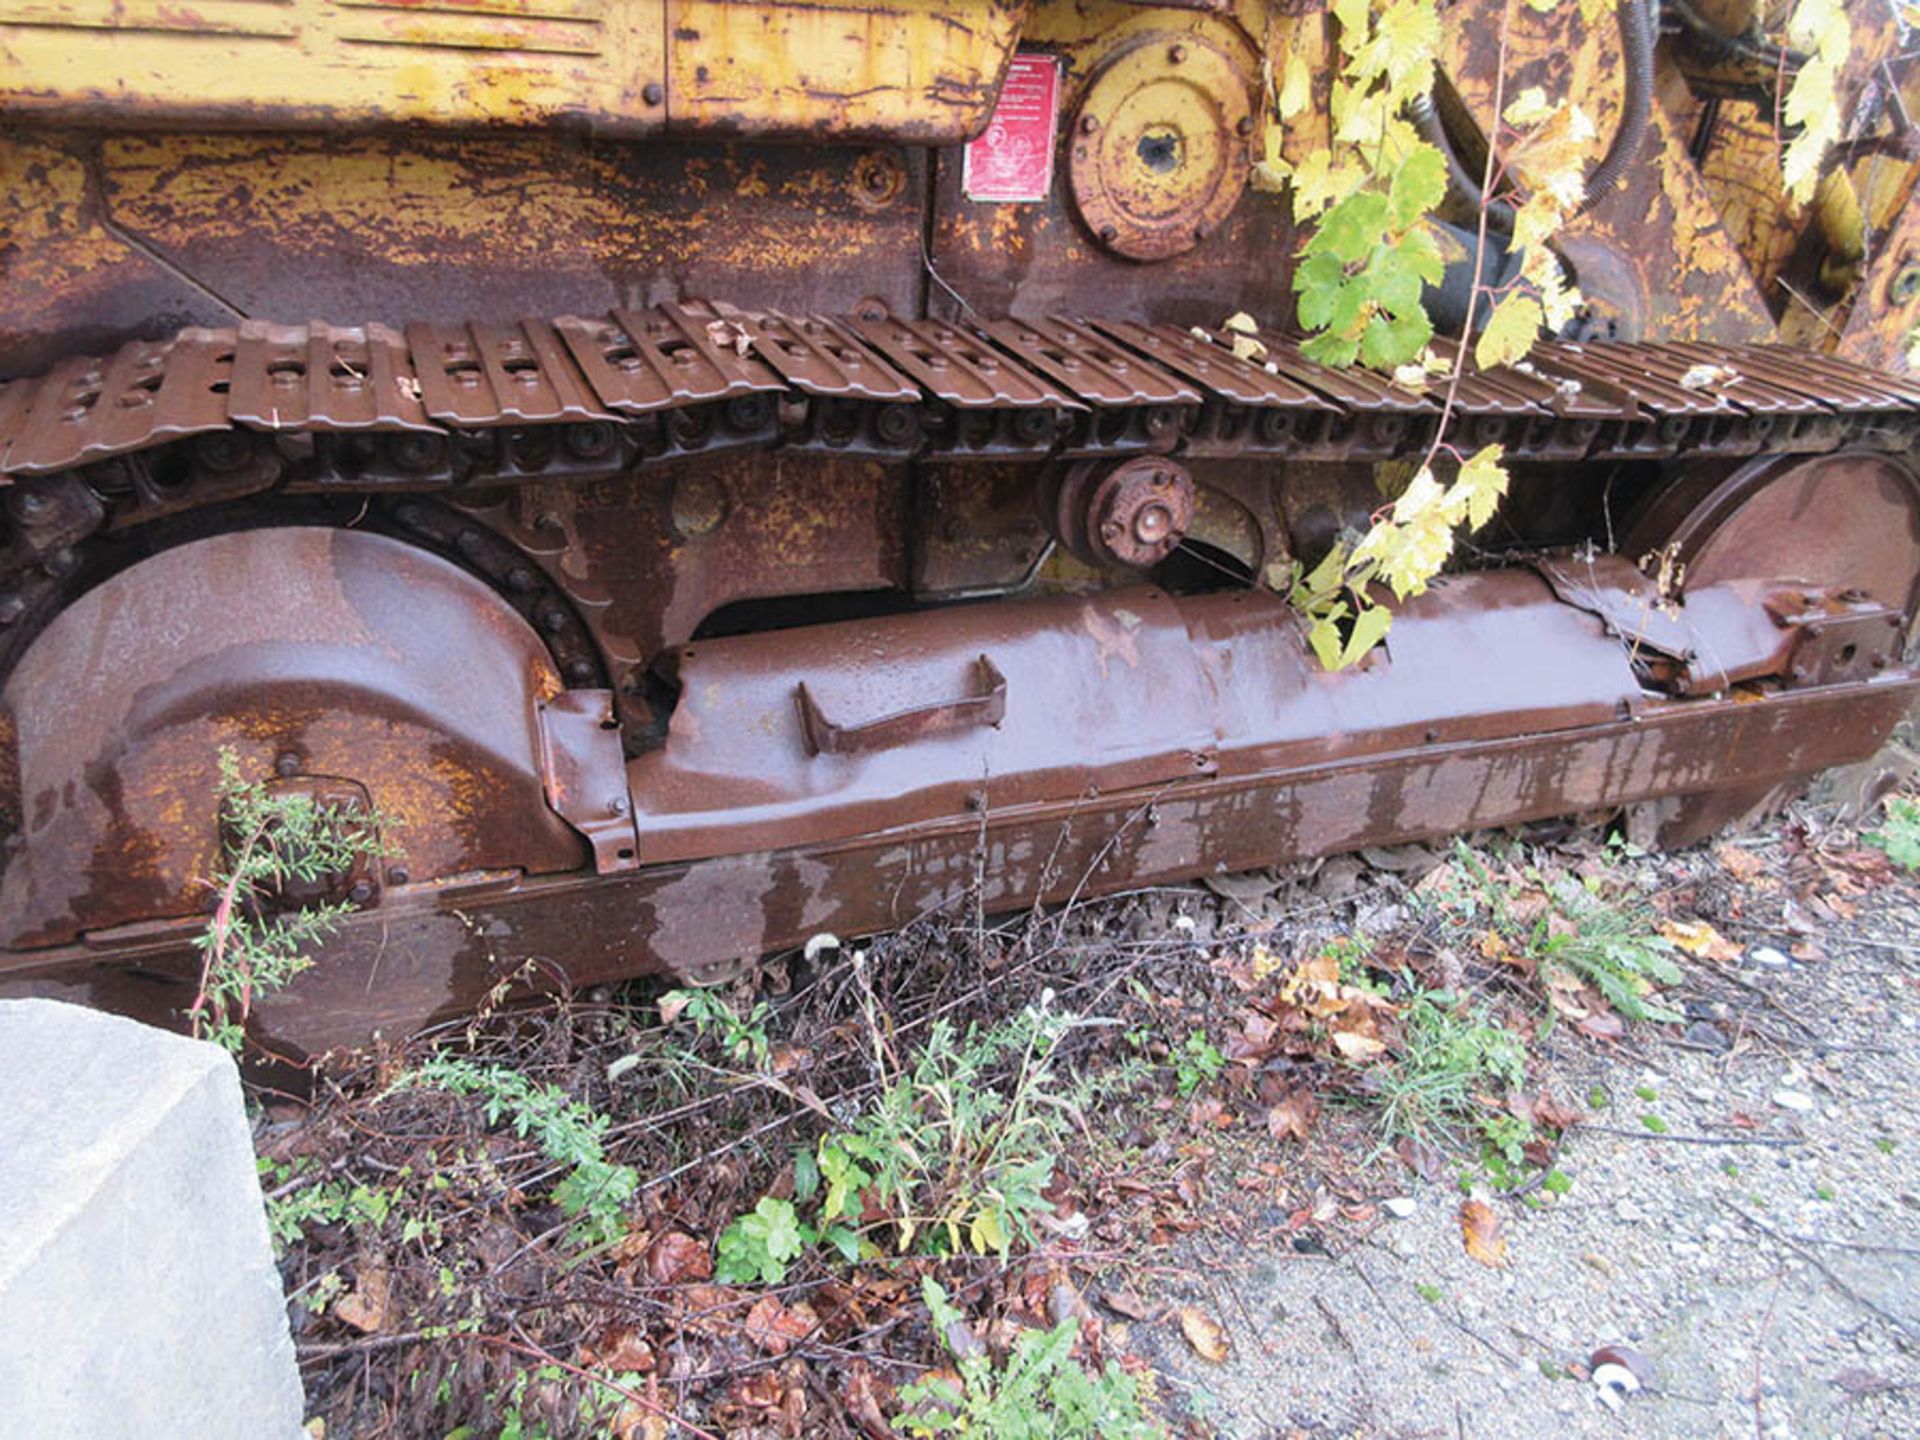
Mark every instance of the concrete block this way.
pixel 138 1294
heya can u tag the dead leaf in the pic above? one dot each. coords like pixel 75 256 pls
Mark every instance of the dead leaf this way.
pixel 1480 1228
pixel 1602 1026
pixel 1207 1336
pixel 1742 865
pixel 677 1258
pixel 776 1328
pixel 1553 1114
pixel 365 1306
pixel 1697 937
pixel 1357 1047
pixel 619 1348
pixel 1127 1303
pixel 1423 1159
pixel 1293 1115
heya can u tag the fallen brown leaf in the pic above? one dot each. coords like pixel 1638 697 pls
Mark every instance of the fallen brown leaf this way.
pixel 1293 1115
pixel 676 1258
pixel 1127 1303
pixel 1207 1336
pixel 1742 865
pixel 776 1328
pixel 1480 1228
pixel 365 1306
pixel 1603 1025
pixel 1697 937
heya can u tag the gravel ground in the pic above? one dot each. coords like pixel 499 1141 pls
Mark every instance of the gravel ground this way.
pixel 1763 1254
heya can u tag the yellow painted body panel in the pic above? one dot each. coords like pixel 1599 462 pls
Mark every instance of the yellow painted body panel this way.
pixel 906 69
pixel 334 62
pixel 914 70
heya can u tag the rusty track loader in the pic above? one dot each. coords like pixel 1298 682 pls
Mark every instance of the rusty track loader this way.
pixel 716 471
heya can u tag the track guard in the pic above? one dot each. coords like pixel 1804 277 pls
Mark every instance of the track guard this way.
pixel 307 652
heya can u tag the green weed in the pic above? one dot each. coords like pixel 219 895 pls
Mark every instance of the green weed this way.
pixel 1039 1393
pixel 272 840
pixel 594 1191
pixel 1899 835
pixel 958 1157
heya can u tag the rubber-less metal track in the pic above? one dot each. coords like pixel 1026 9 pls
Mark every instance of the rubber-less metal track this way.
pixel 211 414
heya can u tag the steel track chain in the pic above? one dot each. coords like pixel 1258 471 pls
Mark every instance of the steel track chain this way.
pixel 215 414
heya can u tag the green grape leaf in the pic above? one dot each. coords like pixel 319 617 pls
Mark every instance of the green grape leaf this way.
pixel 1324 636
pixel 1351 228
pixel 1336 350
pixel 1419 185
pixel 1389 342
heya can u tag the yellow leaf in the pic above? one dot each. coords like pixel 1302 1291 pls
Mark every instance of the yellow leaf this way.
pixel 1319 181
pixel 1538 217
pixel 988 1237
pixel 1245 347
pixel 1241 323
pixel 1352 15
pixel 1480 1229
pixel 1481 483
pixel 1529 107
pixel 1593 11
pixel 1559 301
pixel 1296 86
pixel 1207 1336
pixel 1697 937
pixel 1358 1048
pixel 1324 636
pixel 1510 332
pixel 1370 627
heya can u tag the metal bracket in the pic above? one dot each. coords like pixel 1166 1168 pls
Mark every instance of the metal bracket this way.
pixel 585 773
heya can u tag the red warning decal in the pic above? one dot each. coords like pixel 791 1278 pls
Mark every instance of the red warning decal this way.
pixel 1013 160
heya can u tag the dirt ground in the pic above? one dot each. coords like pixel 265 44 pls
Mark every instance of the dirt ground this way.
pixel 1762 1254
pixel 1723 1208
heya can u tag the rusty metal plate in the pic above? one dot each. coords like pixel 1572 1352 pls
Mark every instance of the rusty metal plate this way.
pixel 820 356
pixel 1635 371
pixel 302 650
pixel 86 410
pixel 482 375
pixel 432 952
pixel 1837 382
pixel 1498 389
pixel 743 769
pixel 1354 389
pixel 16 401
pixel 959 369
pixel 1216 367
pixel 326 378
pixel 583 767
pixel 1748 388
pixel 1087 363
pixel 639 361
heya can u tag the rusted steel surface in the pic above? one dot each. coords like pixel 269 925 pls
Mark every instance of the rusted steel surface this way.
pixel 439 951
pixel 307 652
pixel 118 236
pixel 917 70
pixel 986 387
pixel 1836 522
pixel 905 69
pixel 581 765
pixel 1652 252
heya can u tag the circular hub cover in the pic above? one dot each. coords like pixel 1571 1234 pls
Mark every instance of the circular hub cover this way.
pixel 1159 155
